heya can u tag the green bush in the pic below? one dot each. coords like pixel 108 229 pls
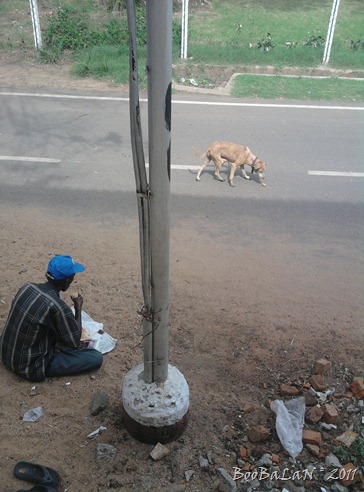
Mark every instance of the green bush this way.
pixel 117 32
pixel 66 32
pixel 266 43
pixel 356 45
pixel 315 41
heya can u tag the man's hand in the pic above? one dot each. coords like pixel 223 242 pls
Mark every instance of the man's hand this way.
pixel 77 300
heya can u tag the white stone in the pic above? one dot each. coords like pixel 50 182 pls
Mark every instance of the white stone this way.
pixel 159 451
pixel 153 404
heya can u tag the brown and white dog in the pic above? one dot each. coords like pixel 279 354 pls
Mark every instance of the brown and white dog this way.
pixel 221 152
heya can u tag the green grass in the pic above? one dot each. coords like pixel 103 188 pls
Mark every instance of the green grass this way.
pixel 284 57
pixel 235 28
pixel 7 5
pixel 300 88
pixel 223 32
pixel 112 63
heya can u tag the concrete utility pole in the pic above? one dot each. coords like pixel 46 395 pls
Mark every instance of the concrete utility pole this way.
pixel 155 394
pixel 330 31
pixel 184 34
pixel 36 24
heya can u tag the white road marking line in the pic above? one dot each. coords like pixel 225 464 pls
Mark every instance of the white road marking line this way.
pixel 272 105
pixel 336 173
pixel 193 168
pixel 201 103
pixel 28 159
pixel 185 168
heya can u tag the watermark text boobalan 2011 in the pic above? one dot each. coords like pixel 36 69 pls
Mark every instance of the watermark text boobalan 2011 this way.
pixel 263 473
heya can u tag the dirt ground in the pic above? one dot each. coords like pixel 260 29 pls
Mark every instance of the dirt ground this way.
pixel 231 355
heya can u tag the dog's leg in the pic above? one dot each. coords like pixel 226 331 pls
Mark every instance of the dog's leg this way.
pixel 261 176
pixel 245 176
pixel 233 167
pixel 218 163
pixel 207 160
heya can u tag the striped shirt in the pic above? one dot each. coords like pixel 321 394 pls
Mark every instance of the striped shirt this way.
pixel 38 320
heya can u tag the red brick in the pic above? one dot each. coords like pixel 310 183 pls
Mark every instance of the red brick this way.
pixel 321 366
pixel 313 449
pixel 288 390
pixel 311 437
pixel 357 388
pixel 258 433
pixel 314 415
pixel 248 408
pixel 318 382
pixel 243 452
pixel 351 474
pixel 276 458
pixel 361 482
pixel 331 415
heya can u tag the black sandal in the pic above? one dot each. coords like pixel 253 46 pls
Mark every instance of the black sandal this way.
pixel 33 473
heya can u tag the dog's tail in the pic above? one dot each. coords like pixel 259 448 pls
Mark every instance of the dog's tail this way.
pixel 199 155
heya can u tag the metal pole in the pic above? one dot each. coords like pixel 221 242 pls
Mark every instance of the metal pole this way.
pixel 36 24
pixel 184 35
pixel 159 67
pixel 183 30
pixel 330 31
pixel 155 394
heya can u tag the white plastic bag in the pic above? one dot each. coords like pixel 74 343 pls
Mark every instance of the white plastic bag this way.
pixel 289 423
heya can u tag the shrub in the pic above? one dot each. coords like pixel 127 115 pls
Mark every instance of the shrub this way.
pixel 315 41
pixel 66 32
pixel 266 44
pixel 356 45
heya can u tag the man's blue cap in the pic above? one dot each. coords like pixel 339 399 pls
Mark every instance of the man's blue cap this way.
pixel 61 267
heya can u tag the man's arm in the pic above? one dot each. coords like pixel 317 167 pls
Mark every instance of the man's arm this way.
pixel 78 302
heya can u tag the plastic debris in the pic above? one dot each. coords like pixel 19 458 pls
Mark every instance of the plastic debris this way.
pixel 289 423
pixel 33 391
pixel 33 414
pixel 327 427
pixel 322 396
pixel 97 431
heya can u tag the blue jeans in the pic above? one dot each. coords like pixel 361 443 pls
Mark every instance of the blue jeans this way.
pixel 72 361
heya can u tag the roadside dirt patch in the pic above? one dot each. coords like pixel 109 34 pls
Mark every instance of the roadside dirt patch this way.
pixel 235 352
pixel 22 70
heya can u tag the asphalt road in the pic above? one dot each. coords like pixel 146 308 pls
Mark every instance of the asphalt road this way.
pixel 89 140
pixel 84 142
pixel 69 155
pixel 88 143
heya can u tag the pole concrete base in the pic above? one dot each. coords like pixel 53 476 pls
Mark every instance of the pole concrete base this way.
pixel 155 412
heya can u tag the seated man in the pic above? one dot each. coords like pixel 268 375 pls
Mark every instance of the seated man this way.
pixel 42 336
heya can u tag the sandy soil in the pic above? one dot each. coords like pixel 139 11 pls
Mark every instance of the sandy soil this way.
pixel 229 355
